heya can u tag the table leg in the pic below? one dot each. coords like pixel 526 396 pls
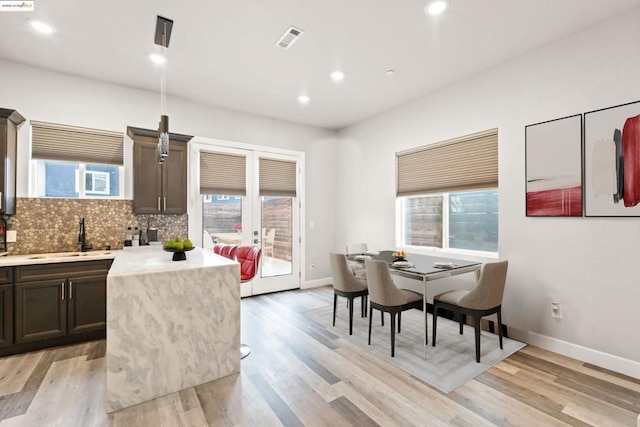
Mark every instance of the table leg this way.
pixel 424 308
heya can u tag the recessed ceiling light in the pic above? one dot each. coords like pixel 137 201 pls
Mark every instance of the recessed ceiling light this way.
pixel 390 72
pixel 41 26
pixel 157 58
pixel 303 99
pixel 435 7
pixel 337 76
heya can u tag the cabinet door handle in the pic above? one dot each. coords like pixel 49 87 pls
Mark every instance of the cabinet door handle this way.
pixel 165 203
pixel 62 290
pixel 158 204
pixel 70 289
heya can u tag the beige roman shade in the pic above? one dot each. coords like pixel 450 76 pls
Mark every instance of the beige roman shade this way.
pixel 461 164
pixel 277 177
pixel 54 141
pixel 223 173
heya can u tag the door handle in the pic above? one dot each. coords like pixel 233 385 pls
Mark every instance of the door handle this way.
pixel 158 204
pixel 165 203
pixel 62 290
pixel 70 289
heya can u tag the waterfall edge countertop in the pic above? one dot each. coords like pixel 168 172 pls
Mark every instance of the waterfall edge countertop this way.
pixel 171 325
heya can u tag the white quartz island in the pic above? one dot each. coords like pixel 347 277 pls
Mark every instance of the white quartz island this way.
pixel 171 325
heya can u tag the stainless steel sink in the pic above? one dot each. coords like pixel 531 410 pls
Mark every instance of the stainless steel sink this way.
pixel 69 255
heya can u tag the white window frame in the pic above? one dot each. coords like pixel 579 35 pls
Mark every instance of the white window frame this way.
pixel 432 250
pixel 37 181
pixel 96 175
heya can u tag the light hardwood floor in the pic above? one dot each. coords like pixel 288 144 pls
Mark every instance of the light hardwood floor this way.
pixel 300 373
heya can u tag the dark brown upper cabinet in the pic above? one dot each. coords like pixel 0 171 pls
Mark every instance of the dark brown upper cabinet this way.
pixel 9 122
pixel 159 188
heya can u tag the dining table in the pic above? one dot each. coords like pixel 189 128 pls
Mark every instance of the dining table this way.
pixel 228 238
pixel 425 268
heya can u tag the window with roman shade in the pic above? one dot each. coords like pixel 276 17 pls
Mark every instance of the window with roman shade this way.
pixel 223 173
pixel 461 164
pixel 76 162
pixel 52 141
pixel 277 177
pixel 448 194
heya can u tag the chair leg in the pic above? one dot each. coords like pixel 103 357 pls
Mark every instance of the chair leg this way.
pixel 364 305
pixel 335 303
pixel 382 317
pixel 435 324
pixel 399 320
pixel 476 324
pixel 393 334
pixel 462 318
pixel 500 327
pixel 370 316
pixel 350 315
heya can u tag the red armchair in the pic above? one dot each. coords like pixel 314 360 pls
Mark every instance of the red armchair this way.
pixel 249 259
pixel 227 251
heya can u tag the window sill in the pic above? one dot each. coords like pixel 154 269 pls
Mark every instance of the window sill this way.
pixel 454 253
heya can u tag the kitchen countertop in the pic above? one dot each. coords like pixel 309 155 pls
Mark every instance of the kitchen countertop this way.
pixel 57 257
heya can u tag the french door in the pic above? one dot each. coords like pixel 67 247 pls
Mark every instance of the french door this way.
pixel 268 219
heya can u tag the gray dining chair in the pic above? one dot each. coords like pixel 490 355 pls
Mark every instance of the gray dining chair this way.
pixel 356 248
pixel 386 297
pixel 349 285
pixel 483 300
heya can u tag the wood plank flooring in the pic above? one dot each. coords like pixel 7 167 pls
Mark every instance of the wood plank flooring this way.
pixel 302 374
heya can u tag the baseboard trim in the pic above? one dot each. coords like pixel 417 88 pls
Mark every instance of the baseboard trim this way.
pixel 585 354
pixel 316 283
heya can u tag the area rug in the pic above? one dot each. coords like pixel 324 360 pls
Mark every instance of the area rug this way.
pixel 450 364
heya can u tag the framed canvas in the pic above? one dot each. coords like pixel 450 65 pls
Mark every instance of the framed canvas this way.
pixel 612 161
pixel 553 162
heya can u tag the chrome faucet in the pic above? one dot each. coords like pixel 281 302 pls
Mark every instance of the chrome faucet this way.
pixel 82 236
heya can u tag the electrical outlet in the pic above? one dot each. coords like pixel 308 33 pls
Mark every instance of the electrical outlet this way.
pixel 312 266
pixel 12 236
pixel 556 310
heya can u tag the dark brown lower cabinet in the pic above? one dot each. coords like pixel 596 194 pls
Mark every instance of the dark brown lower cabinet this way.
pixel 41 310
pixel 87 304
pixel 57 304
pixel 6 315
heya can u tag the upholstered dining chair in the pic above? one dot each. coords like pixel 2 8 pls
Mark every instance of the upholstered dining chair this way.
pixel 356 248
pixel 386 297
pixel 484 299
pixel 249 259
pixel 347 284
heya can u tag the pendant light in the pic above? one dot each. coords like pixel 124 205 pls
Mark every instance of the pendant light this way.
pixel 162 36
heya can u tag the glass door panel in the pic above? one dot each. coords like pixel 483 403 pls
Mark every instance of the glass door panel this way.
pixel 222 218
pixel 277 236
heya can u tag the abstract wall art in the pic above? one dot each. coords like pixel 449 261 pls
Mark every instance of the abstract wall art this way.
pixel 553 151
pixel 612 161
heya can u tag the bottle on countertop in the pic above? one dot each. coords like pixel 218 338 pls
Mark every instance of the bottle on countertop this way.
pixel 135 237
pixel 144 237
pixel 128 237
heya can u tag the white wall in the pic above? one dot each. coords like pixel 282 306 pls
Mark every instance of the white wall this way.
pixel 43 95
pixel 589 265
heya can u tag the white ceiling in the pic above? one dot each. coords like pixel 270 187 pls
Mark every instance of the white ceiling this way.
pixel 222 53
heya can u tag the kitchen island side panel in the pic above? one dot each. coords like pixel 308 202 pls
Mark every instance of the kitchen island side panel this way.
pixel 172 328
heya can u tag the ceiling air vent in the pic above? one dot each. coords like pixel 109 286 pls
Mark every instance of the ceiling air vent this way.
pixel 289 37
